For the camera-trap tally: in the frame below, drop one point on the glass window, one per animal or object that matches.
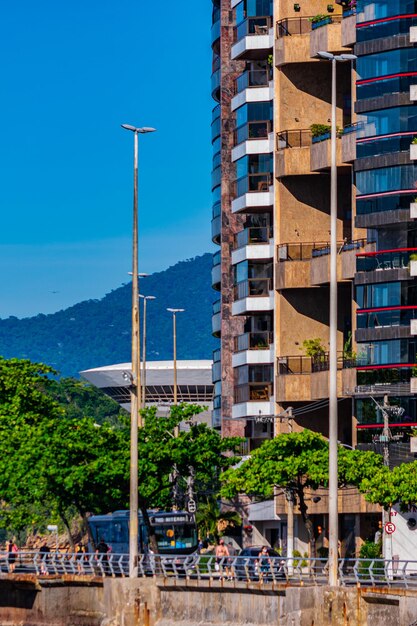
(387, 179)
(386, 121)
(385, 63)
(367, 11)
(394, 351)
(378, 295)
(252, 112)
(391, 28)
(252, 8)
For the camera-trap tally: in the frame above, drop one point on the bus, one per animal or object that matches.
(175, 531)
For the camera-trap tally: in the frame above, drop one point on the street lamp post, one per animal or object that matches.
(174, 333)
(333, 414)
(145, 299)
(135, 394)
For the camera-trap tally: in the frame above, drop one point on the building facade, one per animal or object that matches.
(271, 220)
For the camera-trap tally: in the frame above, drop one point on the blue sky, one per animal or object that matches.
(72, 73)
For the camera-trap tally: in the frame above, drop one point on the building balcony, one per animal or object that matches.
(385, 266)
(253, 349)
(293, 153)
(308, 264)
(216, 368)
(216, 229)
(379, 211)
(259, 195)
(327, 35)
(253, 138)
(215, 85)
(253, 38)
(253, 86)
(292, 43)
(216, 418)
(253, 243)
(216, 319)
(384, 323)
(349, 144)
(320, 154)
(253, 399)
(216, 271)
(349, 29)
(302, 378)
(254, 294)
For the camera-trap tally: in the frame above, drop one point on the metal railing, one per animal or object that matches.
(309, 250)
(253, 288)
(385, 260)
(253, 78)
(290, 365)
(253, 235)
(257, 25)
(297, 138)
(226, 570)
(293, 26)
(260, 340)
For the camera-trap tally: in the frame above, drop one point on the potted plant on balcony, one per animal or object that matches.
(321, 132)
(319, 20)
(315, 350)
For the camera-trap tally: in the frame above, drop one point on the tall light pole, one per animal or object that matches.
(333, 414)
(135, 393)
(174, 336)
(145, 299)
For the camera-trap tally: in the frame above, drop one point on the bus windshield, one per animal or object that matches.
(172, 537)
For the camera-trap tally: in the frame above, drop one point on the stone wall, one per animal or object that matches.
(146, 602)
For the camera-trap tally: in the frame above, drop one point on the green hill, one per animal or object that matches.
(97, 332)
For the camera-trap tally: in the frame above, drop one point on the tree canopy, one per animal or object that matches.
(54, 461)
(296, 462)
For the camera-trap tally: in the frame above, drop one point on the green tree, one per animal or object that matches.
(388, 487)
(212, 521)
(54, 462)
(296, 462)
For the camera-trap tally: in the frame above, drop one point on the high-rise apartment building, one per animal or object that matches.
(386, 184)
(271, 220)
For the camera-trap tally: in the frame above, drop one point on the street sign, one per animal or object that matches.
(191, 506)
(390, 528)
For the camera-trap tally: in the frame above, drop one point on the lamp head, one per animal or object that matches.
(134, 129)
(175, 310)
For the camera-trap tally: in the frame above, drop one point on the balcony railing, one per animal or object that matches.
(327, 19)
(289, 365)
(253, 235)
(294, 139)
(254, 341)
(253, 130)
(384, 260)
(253, 183)
(217, 355)
(253, 392)
(306, 251)
(259, 25)
(217, 258)
(253, 288)
(253, 78)
(216, 307)
(293, 26)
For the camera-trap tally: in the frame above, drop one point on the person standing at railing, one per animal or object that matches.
(44, 552)
(102, 552)
(222, 552)
(12, 550)
(81, 556)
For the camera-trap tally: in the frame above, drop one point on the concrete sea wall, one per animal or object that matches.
(25, 601)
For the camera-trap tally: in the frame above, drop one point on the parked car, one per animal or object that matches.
(248, 565)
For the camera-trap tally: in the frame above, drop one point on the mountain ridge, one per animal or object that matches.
(97, 332)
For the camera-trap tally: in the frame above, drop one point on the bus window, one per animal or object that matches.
(179, 536)
(102, 530)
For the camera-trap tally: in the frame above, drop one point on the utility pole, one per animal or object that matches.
(290, 505)
(386, 515)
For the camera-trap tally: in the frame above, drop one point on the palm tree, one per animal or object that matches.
(212, 522)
